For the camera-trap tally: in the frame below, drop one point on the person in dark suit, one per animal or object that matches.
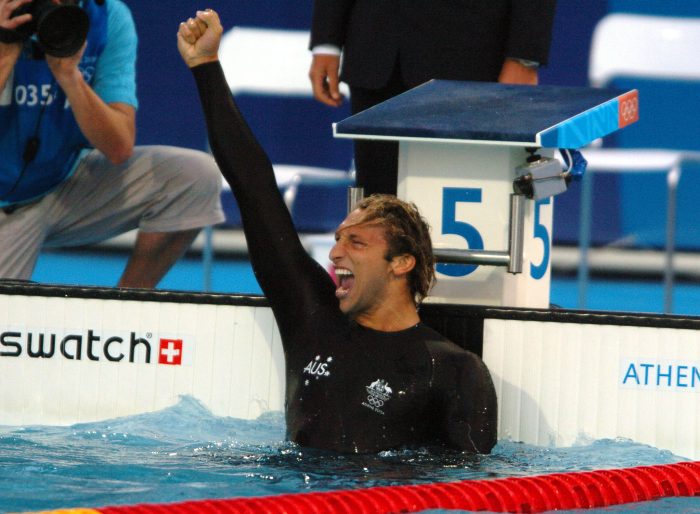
(390, 46)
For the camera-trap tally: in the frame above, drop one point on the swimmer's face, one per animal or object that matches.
(363, 272)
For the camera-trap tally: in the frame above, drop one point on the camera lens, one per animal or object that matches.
(61, 29)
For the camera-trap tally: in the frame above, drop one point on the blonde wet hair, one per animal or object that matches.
(406, 232)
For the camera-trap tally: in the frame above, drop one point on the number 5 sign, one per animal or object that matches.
(464, 193)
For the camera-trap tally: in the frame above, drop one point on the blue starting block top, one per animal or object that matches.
(485, 112)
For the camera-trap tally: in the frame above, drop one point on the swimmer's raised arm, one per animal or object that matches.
(283, 268)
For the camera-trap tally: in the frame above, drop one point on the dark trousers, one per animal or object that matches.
(376, 162)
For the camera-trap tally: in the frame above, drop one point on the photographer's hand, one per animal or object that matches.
(198, 38)
(7, 7)
(65, 69)
(9, 52)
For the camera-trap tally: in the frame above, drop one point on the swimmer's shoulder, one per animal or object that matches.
(438, 345)
(447, 355)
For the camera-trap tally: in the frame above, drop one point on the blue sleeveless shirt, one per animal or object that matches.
(38, 108)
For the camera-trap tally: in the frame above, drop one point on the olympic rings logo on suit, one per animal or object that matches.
(378, 393)
(375, 401)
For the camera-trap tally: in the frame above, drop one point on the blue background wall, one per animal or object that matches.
(170, 113)
(669, 7)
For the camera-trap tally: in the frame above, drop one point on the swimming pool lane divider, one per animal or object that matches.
(576, 490)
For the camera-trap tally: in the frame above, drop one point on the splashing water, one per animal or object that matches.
(186, 453)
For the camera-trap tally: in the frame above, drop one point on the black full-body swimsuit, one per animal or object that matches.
(348, 388)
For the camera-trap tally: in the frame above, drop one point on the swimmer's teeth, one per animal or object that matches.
(343, 275)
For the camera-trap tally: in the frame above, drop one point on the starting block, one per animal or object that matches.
(478, 160)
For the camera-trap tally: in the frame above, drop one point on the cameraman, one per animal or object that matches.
(70, 174)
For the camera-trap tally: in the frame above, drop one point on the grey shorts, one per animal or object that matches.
(159, 189)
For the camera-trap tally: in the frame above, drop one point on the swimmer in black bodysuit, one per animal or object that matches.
(363, 374)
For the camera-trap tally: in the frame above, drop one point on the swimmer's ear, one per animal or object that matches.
(403, 264)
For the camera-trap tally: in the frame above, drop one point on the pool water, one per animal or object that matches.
(185, 453)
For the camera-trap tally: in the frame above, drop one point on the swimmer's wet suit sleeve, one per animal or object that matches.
(465, 391)
(294, 283)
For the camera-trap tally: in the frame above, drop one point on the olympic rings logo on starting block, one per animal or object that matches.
(628, 110)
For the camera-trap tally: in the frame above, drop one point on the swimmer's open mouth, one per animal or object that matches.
(346, 280)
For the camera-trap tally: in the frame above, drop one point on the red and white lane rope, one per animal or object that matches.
(577, 490)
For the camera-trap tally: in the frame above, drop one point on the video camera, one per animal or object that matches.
(61, 29)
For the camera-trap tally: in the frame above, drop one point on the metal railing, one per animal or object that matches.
(601, 160)
(512, 258)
